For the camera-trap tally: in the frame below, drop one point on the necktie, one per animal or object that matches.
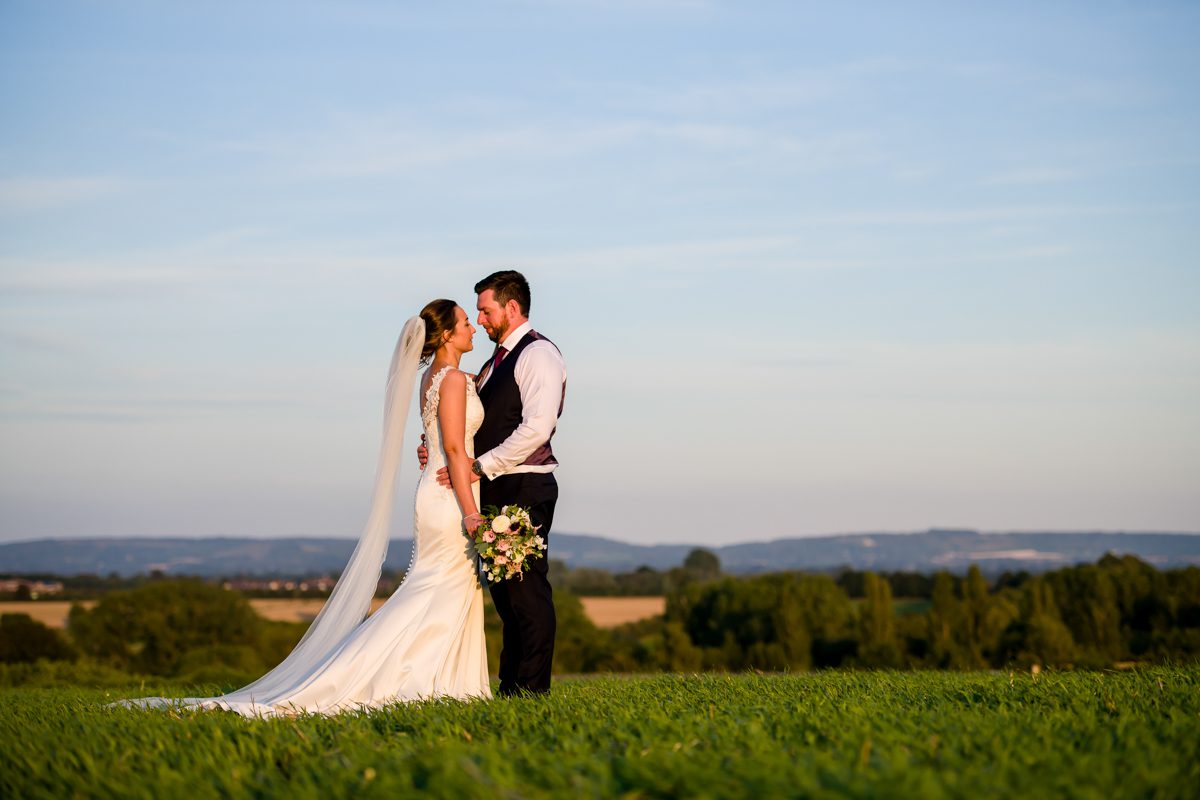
(501, 352)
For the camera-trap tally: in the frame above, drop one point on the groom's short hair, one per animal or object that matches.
(507, 284)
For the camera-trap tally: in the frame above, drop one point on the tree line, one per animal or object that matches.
(1117, 610)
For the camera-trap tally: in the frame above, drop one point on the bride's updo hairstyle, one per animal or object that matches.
(439, 320)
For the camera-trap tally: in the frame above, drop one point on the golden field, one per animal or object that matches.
(605, 612)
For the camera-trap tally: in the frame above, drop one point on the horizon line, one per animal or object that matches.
(973, 531)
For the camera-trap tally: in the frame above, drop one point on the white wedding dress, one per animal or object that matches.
(427, 640)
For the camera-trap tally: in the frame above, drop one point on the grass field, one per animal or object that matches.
(830, 734)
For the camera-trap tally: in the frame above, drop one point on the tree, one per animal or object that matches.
(1039, 636)
(579, 646)
(590, 582)
(829, 619)
(679, 654)
(1094, 599)
(703, 564)
(151, 628)
(644, 581)
(774, 621)
(22, 638)
(878, 628)
(976, 605)
(945, 616)
(791, 632)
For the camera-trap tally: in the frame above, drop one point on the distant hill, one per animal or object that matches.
(921, 552)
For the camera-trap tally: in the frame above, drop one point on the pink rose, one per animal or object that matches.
(488, 536)
(501, 560)
(502, 546)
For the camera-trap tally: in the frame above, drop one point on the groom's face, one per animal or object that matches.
(493, 317)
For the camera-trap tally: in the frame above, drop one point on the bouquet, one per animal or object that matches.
(505, 541)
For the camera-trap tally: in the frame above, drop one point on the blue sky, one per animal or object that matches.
(814, 270)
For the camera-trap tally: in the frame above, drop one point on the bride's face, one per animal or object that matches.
(463, 333)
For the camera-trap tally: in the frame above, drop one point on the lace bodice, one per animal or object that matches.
(429, 417)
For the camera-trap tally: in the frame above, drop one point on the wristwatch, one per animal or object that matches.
(478, 470)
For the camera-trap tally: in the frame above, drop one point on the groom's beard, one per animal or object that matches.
(498, 333)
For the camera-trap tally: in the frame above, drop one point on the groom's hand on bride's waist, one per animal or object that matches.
(443, 477)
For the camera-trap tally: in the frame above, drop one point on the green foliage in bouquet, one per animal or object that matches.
(506, 541)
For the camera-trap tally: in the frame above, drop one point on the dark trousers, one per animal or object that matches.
(525, 604)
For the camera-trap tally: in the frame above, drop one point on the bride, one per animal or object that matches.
(427, 640)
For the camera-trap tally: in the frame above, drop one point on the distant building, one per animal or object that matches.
(323, 584)
(36, 588)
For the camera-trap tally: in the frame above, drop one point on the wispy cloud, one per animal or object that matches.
(958, 216)
(1033, 175)
(1040, 251)
(130, 410)
(380, 146)
(1048, 371)
(749, 94)
(641, 7)
(41, 341)
(38, 194)
(1047, 84)
(690, 257)
(24, 277)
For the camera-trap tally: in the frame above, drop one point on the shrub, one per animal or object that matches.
(149, 629)
(24, 639)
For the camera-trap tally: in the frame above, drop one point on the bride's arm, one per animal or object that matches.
(452, 421)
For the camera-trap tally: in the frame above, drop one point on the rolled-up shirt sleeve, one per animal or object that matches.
(540, 374)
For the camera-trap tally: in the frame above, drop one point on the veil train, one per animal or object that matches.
(350, 601)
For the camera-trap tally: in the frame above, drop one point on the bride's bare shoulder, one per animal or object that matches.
(455, 380)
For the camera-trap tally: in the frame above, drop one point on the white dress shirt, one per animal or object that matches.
(541, 375)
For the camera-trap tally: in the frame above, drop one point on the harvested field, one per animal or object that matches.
(606, 612)
(295, 610)
(52, 613)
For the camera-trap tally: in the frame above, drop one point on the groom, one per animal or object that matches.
(522, 387)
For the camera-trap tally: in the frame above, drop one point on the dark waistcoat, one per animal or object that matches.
(501, 399)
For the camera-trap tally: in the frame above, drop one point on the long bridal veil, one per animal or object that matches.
(350, 601)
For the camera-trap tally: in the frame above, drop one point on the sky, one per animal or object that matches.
(815, 268)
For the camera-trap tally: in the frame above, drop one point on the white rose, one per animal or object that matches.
(501, 524)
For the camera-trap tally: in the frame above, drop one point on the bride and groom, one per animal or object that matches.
(486, 443)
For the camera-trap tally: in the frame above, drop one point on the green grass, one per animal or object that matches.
(831, 734)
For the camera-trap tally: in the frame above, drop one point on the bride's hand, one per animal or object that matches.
(472, 523)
